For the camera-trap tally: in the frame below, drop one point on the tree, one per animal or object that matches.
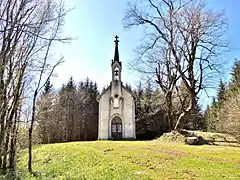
(229, 122)
(49, 25)
(221, 92)
(234, 84)
(72, 114)
(190, 33)
(193, 120)
(27, 30)
(236, 73)
(212, 116)
(47, 87)
(45, 117)
(150, 112)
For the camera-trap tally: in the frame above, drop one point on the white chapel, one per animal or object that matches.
(116, 106)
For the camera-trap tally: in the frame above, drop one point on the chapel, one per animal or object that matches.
(116, 106)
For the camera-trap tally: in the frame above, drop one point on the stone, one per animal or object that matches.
(197, 140)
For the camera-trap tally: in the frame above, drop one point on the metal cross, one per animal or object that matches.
(116, 37)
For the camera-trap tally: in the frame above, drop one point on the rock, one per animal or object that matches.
(198, 140)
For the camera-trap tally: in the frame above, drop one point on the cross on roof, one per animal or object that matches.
(116, 37)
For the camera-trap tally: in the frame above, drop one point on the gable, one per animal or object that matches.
(106, 91)
(129, 91)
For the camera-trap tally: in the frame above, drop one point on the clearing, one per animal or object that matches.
(131, 160)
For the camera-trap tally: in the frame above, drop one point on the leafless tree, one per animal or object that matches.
(229, 112)
(28, 29)
(193, 35)
(167, 77)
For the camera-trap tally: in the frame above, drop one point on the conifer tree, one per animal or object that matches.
(236, 73)
(221, 92)
(47, 87)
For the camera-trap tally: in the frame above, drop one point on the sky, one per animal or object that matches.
(94, 23)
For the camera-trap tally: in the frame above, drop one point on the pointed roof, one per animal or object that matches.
(116, 54)
(131, 92)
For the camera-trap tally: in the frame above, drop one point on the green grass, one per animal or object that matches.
(131, 160)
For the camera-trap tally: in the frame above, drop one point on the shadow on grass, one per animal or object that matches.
(9, 174)
(224, 143)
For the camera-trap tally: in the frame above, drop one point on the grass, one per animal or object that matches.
(108, 160)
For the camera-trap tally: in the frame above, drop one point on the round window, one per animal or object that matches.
(116, 95)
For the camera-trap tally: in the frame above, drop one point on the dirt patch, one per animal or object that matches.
(176, 153)
(106, 151)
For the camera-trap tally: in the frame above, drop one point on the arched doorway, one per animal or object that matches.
(116, 128)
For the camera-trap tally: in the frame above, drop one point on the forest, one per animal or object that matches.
(71, 114)
(179, 55)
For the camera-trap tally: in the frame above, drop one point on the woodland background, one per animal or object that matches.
(179, 56)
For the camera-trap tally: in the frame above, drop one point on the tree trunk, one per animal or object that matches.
(181, 118)
(30, 134)
(13, 145)
(5, 151)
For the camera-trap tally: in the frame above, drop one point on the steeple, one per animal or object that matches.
(116, 64)
(116, 55)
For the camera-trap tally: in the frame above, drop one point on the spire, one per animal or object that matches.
(116, 55)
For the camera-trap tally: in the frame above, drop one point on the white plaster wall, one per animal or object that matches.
(129, 115)
(104, 115)
(126, 112)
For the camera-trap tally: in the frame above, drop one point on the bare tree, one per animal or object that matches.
(229, 122)
(28, 28)
(36, 92)
(191, 33)
(167, 77)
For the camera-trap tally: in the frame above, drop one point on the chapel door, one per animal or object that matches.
(116, 128)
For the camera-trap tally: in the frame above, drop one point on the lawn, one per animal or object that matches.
(131, 160)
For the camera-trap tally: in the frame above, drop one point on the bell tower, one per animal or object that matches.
(116, 64)
(116, 76)
(116, 105)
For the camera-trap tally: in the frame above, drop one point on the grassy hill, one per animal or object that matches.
(131, 160)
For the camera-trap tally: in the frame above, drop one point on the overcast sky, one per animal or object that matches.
(94, 23)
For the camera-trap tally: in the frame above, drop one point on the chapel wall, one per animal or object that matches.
(104, 115)
(129, 115)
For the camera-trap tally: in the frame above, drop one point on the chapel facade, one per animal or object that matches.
(116, 106)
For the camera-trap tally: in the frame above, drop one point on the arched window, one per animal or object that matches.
(116, 128)
(116, 73)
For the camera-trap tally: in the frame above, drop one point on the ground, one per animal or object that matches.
(131, 160)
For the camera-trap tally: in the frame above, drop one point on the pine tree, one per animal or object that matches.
(70, 84)
(47, 87)
(221, 92)
(45, 119)
(95, 88)
(234, 85)
(236, 73)
(147, 103)
(81, 85)
(212, 116)
(87, 83)
(139, 96)
(70, 98)
(91, 85)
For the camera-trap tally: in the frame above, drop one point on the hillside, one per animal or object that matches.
(131, 160)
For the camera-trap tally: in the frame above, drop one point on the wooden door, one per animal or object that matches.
(116, 128)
